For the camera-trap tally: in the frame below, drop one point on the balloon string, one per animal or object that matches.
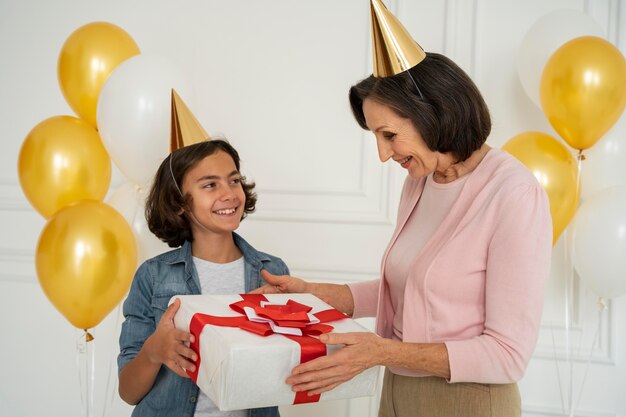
(85, 363)
(569, 291)
(112, 375)
(80, 350)
(602, 305)
(568, 312)
(578, 355)
(581, 157)
(91, 354)
(558, 370)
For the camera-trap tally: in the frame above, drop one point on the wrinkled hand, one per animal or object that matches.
(361, 351)
(167, 344)
(277, 284)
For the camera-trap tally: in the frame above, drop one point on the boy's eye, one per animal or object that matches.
(209, 185)
(235, 180)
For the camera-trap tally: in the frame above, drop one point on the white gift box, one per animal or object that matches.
(239, 369)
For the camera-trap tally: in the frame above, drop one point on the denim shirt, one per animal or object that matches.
(155, 282)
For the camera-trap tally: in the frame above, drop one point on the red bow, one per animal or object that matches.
(262, 319)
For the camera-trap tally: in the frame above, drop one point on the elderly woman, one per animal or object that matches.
(459, 299)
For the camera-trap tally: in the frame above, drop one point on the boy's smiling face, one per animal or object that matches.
(217, 197)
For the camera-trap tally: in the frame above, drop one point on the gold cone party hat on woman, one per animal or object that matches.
(393, 49)
(186, 130)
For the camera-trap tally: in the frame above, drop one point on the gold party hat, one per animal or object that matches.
(394, 50)
(186, 130)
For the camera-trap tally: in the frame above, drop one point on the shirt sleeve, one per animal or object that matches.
(518, 265)
(365, 297)
(139, 321)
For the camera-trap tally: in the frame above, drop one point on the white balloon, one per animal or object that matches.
(599, 242)
(129, 200)
(605, 162)
(543, 38)
(134, 114)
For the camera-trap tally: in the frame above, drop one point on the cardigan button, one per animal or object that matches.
(192, 399)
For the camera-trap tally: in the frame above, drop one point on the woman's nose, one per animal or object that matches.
(384, 150)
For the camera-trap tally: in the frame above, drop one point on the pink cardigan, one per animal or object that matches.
(477, 285)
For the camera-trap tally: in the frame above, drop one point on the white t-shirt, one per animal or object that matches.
(222, 279)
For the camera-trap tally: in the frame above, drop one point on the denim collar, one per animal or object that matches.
(250, 255)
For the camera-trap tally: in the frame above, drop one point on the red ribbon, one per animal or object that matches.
(292, 314)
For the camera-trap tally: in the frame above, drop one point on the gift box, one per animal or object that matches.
(248, 345)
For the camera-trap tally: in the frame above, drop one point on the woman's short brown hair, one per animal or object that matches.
(447, 110)
(165, 202)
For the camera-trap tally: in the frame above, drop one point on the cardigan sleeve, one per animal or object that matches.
(365, 297)
(518, 265)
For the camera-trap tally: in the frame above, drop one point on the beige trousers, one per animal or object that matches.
(404, 396)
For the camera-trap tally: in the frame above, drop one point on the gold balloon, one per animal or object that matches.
(62, 161)
(556, 170)
(87, 58)
(86, 257)
(583, 90)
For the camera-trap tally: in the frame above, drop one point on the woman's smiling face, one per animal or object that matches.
(398, 139)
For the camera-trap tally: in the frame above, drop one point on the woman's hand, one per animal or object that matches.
(277, 284)
(338, 296)
(167, 344)
(361, 351)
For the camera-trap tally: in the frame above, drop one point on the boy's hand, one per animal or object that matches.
(167, 344)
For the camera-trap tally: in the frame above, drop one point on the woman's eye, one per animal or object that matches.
(389, 135)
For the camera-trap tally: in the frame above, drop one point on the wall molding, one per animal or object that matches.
(336, 274)
(544, 411)
(369, 204)
(580, 351)
(607, 13)
(584, 328)
(11, 196)
(363, 206)
(17, 265)
(460, 33)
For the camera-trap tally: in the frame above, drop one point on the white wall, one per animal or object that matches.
(273, 77)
